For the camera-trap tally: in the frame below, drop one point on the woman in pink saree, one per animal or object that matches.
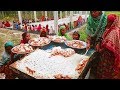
(109, 65)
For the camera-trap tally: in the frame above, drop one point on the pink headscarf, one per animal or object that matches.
(111, 17)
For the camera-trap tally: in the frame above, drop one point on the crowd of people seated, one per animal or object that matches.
(26, 26)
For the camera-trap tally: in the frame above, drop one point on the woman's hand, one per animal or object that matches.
(97, 47)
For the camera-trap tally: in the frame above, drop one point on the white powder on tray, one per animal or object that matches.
(46, 67)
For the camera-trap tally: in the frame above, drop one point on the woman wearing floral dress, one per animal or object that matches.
(109, 65)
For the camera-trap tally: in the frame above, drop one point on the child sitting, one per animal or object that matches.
(25, 38)
(43, 32)
(76, 35)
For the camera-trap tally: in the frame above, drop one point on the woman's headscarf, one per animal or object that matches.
(66, 34)
(111, 17)
(61, 28)
(96, 26)
(43, 30)
(111, 35)
(9, 43)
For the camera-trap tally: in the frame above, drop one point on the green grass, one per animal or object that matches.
(83, 35)
(113, 12)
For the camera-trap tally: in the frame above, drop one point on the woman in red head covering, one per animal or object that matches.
(43, 32)
(7, 24)
(109, 65)
(39, 28)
